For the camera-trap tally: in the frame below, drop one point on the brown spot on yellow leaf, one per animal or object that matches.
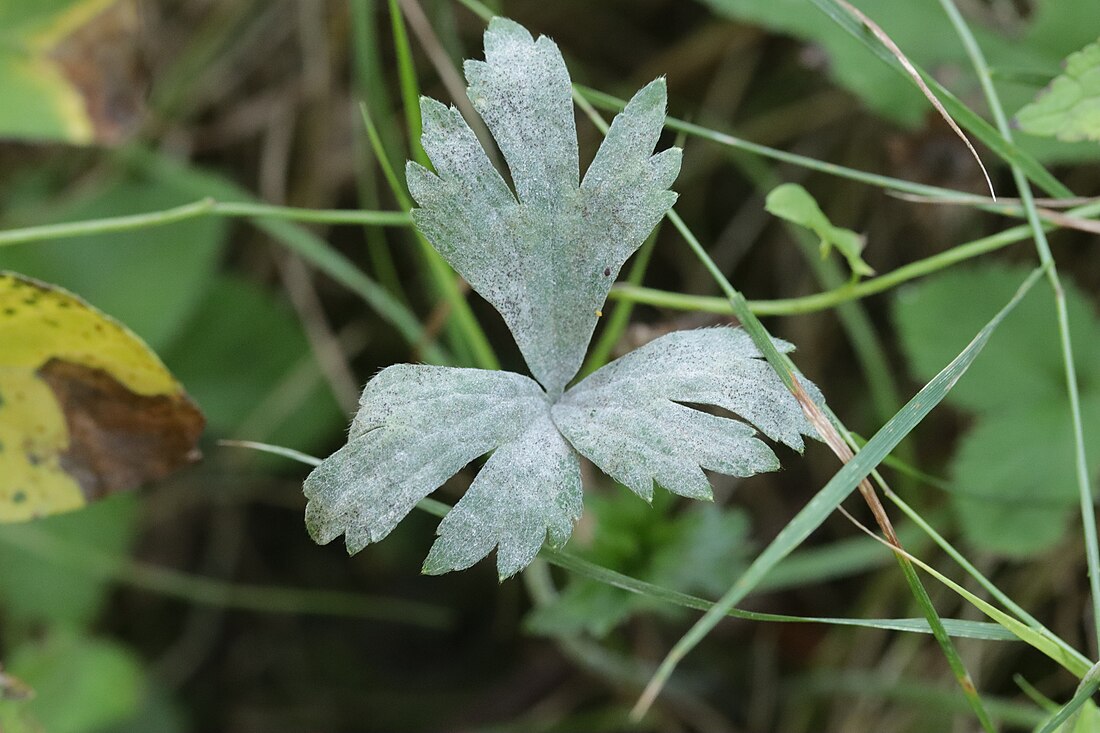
(119, 440)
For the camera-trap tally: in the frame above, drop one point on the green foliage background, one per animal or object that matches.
(201, 604)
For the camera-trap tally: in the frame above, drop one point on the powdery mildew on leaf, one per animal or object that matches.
(546, 256)
(528, 491)
(626, 417)
(417, 426)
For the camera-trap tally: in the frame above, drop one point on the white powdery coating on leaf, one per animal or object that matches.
(417, 426)
(529, 489)
(547, 260)
(626, 419)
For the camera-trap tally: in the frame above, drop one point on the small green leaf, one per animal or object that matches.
(793, 203)
(81, 684)
(1068, 109)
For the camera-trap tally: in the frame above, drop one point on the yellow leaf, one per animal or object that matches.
(86, 408)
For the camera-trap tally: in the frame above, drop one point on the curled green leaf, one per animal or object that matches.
(793, 203)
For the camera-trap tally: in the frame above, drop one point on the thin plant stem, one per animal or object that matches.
(831, 298)
(305, 243)
(199, 209)
(1042, 247)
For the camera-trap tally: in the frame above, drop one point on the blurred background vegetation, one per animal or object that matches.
(200, 604)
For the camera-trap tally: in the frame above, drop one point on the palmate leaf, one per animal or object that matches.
(545, 257)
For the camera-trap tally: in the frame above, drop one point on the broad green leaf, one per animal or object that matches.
(1069, 109)
(1013, 480)
(627, 417)
(81, 685)
(36, 587)
(419, 425)
(545, 257)
(795, 204)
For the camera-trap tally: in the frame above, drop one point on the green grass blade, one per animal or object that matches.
(369, 72)
(1040, 639)
(1089, 683)
(465, 334)
(835, 491)
(370, 83)
(786, 371)
(614, 104)
(957, 627)
(960, 628)
(410, 87)
(1042, 247)
(967, 118)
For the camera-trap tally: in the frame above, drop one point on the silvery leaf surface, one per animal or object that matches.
(528, 491)
(419, 425)
(628, 417)
(546, 255)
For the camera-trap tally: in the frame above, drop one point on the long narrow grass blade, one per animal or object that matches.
(410, 88)
(1042, 640)
(956, 627)
(960, 628)
(1089, 683)
(911, 70)
(835, 491)
(967, 118)
(1042, 248)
